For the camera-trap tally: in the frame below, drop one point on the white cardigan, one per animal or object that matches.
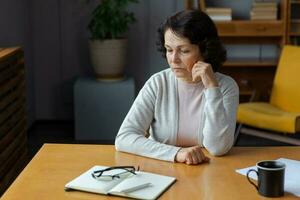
(155, 109)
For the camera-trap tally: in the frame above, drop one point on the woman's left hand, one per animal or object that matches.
(191, 156)
(203, 71)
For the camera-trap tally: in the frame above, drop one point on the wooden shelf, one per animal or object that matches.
(246, 21)
(251, 28)
(294, 33)
(295, 20)
(246, 62)
(295, 1)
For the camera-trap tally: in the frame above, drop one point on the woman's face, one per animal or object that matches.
(181, 55)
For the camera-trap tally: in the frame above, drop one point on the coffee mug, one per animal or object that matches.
(270, 176)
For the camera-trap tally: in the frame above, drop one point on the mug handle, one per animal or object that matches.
(252, 170)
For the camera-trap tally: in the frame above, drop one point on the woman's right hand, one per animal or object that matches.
(191, 156)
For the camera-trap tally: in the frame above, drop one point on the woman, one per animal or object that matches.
(189, 105)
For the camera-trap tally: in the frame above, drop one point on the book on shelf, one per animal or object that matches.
(213, 10)
(263, 17)
(143, 185)
(220, 18)
(274, 9)
(260, 12)
(264, 4)
(219, 14)
(264, 10)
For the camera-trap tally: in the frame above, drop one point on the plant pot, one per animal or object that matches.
(108, 58)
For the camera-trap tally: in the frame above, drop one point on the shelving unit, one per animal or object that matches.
(246, 62)
(254, 74)
(293, 22)
(13, 137)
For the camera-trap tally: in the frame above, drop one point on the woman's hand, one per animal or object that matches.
(203, 71)
(191, 156)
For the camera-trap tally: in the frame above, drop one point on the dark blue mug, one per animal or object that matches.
(270, 175)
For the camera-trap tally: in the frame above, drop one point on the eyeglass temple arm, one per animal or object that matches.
(115, 167)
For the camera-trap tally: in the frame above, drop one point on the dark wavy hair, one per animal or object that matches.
(196, 26)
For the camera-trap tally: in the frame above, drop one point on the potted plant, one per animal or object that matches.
(109, 22)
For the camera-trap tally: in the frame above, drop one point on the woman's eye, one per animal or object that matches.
(185, 51)
(169, 50)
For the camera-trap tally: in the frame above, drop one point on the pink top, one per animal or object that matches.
(190, 107)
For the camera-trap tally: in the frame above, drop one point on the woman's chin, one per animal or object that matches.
(183, 78)
(179, 72)
(182, 74)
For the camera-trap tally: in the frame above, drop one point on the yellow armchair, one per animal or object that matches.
(282, 113)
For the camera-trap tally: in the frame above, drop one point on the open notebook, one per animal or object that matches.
(154, 184)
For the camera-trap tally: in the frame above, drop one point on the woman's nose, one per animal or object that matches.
(175, 57)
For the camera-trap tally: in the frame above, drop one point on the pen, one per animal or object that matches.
(138, 187)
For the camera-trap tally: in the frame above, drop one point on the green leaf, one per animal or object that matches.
(110, 19)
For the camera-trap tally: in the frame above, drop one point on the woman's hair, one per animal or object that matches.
(196, 26)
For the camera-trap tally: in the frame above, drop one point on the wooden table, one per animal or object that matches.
(56, 164)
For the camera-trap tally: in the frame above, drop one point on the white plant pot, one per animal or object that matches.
(108, 58)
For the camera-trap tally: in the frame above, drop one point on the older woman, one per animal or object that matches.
(188, 106)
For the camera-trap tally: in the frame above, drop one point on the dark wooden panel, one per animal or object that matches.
(11, 96)
(11, 122)
(11, 109)
(13, 137)
(11, 70)
(17, 147)
(12, 53)
(10, 137)
(8, 85)
(14, 170)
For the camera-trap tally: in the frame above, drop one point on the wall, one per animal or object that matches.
(55, 39)
(15, 30)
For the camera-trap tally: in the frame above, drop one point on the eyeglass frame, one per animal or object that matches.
(99, 173)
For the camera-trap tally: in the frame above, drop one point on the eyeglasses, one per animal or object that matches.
(116, 172)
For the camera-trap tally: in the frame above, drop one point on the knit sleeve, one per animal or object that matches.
(131, 136)
(220, 117)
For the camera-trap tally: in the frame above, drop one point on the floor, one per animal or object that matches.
(63, 132)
